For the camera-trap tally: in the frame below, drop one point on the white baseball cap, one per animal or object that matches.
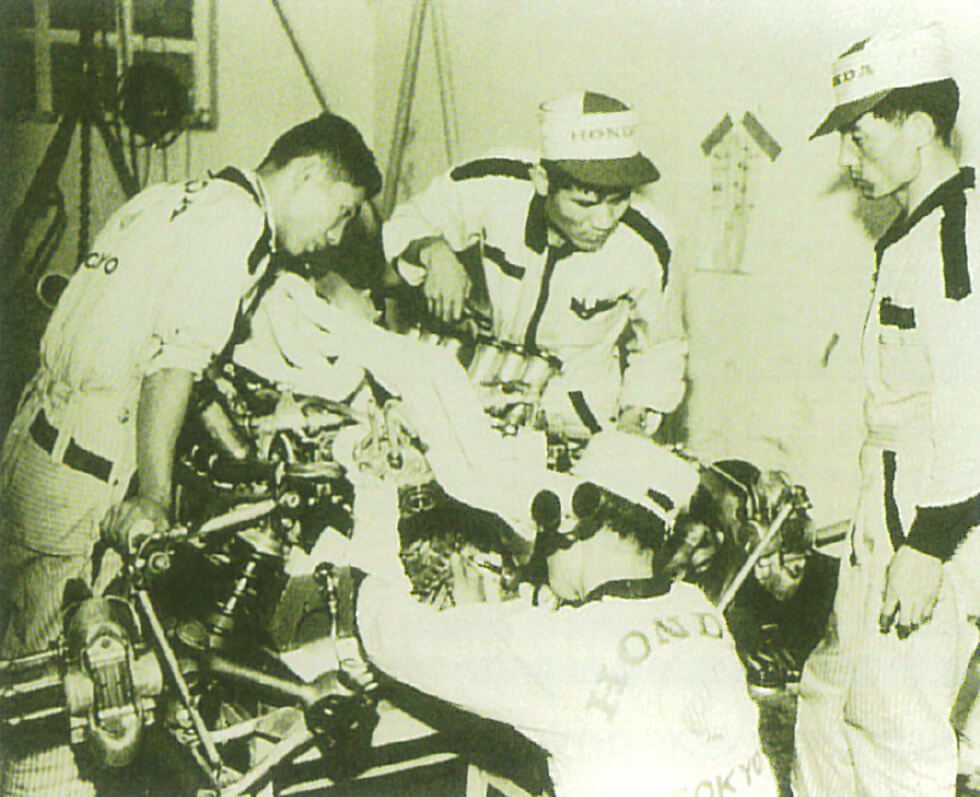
(594, 138)
(864, 75)
(638, 470)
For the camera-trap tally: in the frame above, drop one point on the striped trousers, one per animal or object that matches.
(873, 716)
(46, 503)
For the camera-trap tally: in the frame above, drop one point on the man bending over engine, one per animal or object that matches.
(148, 309)
(633, 686)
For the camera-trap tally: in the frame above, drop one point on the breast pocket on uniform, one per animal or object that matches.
(903, 361)
(588, 308)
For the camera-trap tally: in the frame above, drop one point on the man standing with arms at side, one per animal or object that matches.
(574, 263)
(876, 694)
(147, 310)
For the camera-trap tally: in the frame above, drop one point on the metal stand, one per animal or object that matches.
(87, 111)
(406, 95)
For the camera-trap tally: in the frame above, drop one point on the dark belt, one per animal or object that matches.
(76, 457)
(893, 521)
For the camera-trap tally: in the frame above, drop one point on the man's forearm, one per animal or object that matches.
(654, 377)
(413, 253)
(163, 404)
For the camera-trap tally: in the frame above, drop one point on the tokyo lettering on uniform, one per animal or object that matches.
(627, 696)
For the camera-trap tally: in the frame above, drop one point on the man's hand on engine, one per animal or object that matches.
(638, 420)
(446, 283)
(469, 585)
(912, 584)
(131, 518)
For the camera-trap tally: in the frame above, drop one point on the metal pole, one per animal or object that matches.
(184, 693)
(299, 56)
(729, 593)
(305, 693)
(238, 514)
(406, 92)
(297, 739)
(447, 100)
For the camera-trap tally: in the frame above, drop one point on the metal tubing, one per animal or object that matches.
(300, 56)
(29, 687)
(236, 731)
(297, 739)
(289, 746)
(44, 713)
(406, 93)
(239, 514)
(302, 692)
(26, 662)
(754, 557)
(44, 181)
(183, 692)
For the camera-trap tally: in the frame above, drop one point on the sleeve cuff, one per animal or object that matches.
(938, 530)
(413, 274)
(663, 400)
(409, 263)
(182, 356)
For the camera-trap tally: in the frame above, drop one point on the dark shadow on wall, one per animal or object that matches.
(875, 215)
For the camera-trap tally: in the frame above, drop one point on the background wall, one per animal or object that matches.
(774, 365)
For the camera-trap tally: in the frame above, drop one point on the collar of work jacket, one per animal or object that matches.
(536, 233)
(249, 182)
(950, 196)
(536, 225)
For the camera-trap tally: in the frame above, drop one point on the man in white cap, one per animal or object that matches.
(634, 685)
(876, 693)
(574, 263)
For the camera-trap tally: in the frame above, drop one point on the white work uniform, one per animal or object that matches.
(571, 303)
(873, 716)
(290, 344)
(159, 290)
(626, 695)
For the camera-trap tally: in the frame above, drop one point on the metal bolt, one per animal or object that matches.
(158, 562)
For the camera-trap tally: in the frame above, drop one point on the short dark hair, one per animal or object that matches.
(559, 179)
(334, 138)
(940, 99)
(627, 519)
